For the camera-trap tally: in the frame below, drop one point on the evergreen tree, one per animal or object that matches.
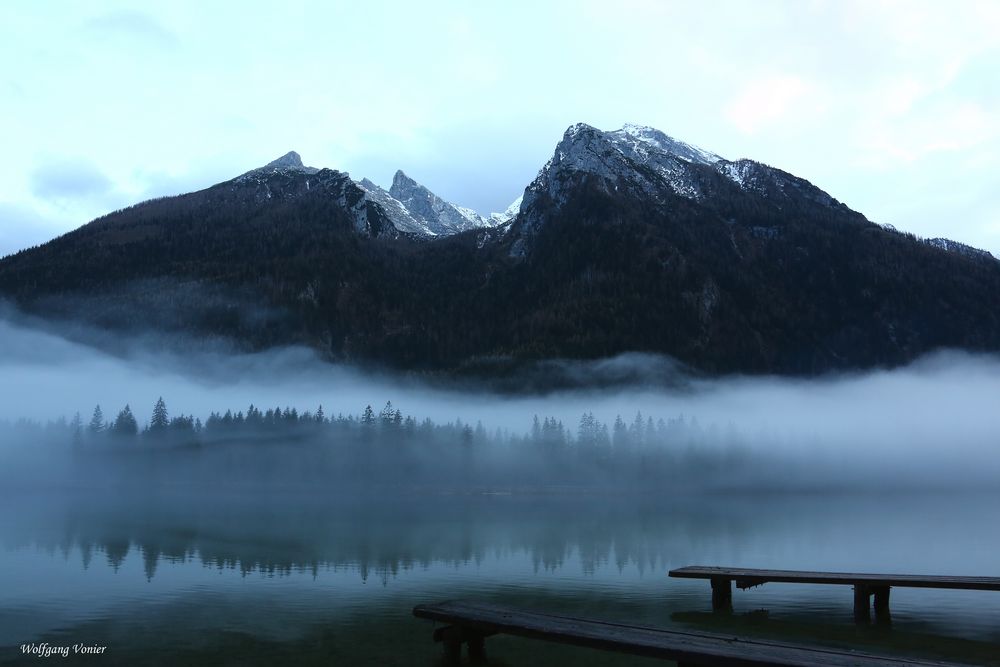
(125, 424)
(160, 420)
(587, 433)
(387, 413)
(619, 436)
(368, 417)
(96, 422)
(76, 426)
(254, 417)
(182, 426)
(603, 439)
(637, 430)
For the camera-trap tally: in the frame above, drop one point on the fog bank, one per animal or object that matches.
(938, 413)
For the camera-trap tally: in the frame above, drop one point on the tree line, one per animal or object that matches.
(388, 446)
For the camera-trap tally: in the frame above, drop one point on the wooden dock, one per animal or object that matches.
(470, 623)
(866, 586)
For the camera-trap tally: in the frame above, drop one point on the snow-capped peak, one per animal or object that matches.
(653, 139)
(508, 214)
(395, 210)
(576, 129)
(641, 141)
(414, 209)
(409, 206)
(440, 216)
(641, 157)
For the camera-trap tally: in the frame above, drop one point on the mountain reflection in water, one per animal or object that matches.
(286, 576)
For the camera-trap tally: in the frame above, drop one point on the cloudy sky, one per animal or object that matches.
(892, 107)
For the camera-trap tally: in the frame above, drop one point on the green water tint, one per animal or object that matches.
(291, 579)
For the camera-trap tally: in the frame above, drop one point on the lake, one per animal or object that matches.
(173, 577)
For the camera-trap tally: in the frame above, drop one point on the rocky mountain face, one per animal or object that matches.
(290, 161)
(732, 264)
(416, 210)
(626, 241)
(642, 162)
(409, 207)
(287, 180)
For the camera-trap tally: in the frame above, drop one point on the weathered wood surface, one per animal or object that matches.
(753, 577)
(480, 619)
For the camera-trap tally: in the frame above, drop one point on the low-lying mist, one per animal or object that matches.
(935, 422)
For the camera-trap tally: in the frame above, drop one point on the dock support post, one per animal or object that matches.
(453, 636)
(722, 594)
(882, 614)
(452, 651)
(477, 649)
(862, 604)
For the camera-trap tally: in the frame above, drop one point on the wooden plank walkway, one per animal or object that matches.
(865, 585)
(471, 623)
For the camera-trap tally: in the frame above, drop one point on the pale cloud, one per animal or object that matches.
(897, 98)
(949, 126)
(774, 100)
(135, 26)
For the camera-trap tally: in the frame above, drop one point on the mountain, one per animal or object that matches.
(729, 265)
(626, 241)
(643, 163)
(408, 206)
(416, 210)
(289, 161)
(960, 248)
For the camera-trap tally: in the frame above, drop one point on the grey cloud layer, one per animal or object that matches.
(69, 179)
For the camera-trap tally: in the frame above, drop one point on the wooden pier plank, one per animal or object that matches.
(757, 576)
(684, 647)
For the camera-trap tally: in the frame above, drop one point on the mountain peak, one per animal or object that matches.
(616, 153)
(576, 129)
(289, 164)
(634, 128)
(437, 215)
(403, 187)
(644, 139)
(401, 180)
(290, 160)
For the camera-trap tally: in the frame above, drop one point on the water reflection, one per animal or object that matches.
(100, 563)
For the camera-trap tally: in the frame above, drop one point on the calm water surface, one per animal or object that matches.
(181, 578)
